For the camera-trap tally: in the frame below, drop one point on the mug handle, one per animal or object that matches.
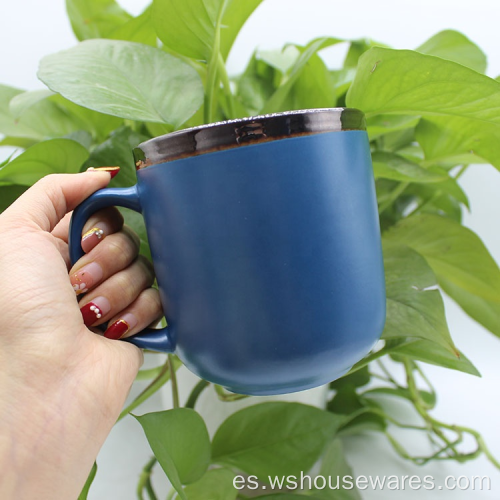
(151, 338)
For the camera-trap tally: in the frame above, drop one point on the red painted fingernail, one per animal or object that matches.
(112, 170)
(117, 329)
(95, 310)
(91, 238)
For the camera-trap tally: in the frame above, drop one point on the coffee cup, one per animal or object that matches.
(265, 241)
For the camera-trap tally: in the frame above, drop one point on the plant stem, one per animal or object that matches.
(212, 70)
(373, 356)
(227, 87)
(145, 481)
(149, 374)
(195, 393)
(162, 378)
(437, 425)
(173, 378)
(211, 84)
(150, 491)
(393, 196)
(436, 194)
(171, 494)
(425, 202)
(387, 374)
(462, 170)
(227, 396)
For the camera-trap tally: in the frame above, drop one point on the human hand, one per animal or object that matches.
(62, 386)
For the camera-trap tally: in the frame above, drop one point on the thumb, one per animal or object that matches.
(53, 196)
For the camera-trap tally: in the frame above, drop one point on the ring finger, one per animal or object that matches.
(116, 293)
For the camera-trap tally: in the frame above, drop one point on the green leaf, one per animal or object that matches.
(313, 88)
(383, 124)
(359, 378)
(263, 439)
(117, 151)
(393, 166)
(455, 46)
(235, 16)
(276, 102)
(9, 194)
(216, 484)
(414, 308)
(256, 85)
(44, 158)
(357, 48)
(454, 98)
(457, 140)
(358, 412)
(82, 137)
(434, 354)
(336, 470)
(98, 124)
(281, 60)
(41, 103)
(454, 252)
(138, 29)
(88, 483)
(406, 82)
(91, 75)
(21, 102)
(342, 79)
(18, 142)
(179, 439)
(43, 119)
(190, 27)
(485, 312)
(402, 392)
(95, 18)
(439, 198)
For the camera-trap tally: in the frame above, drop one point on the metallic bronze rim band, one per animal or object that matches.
(232, 133)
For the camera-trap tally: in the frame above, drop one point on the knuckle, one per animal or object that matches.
(120, 250)
(152, 298)
(147, 266)
(125, 285)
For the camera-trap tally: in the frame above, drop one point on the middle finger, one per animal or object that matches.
(112, 255)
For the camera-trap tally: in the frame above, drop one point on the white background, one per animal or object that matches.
(30, 29)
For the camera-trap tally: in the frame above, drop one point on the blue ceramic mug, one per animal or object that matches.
(265, 241)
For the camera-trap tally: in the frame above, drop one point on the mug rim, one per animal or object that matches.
(222, 135)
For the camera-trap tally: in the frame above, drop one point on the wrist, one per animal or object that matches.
(46, 452)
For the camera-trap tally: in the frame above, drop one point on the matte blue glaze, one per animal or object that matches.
(267, 256)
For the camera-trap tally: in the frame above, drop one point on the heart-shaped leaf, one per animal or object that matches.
(125, 79)
(453, 251)
(180, 441)
(414, 306)
(191, 27)
(263, 439)
(44, 158)
(95, 18)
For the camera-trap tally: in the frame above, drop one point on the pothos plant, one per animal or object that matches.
(430, 113)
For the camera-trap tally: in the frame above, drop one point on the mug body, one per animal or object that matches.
(267, 254)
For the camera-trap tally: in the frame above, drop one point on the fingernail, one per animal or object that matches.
(112, 170)
(119, 328)
(85, 278)
(95, 310)
(91, 238)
